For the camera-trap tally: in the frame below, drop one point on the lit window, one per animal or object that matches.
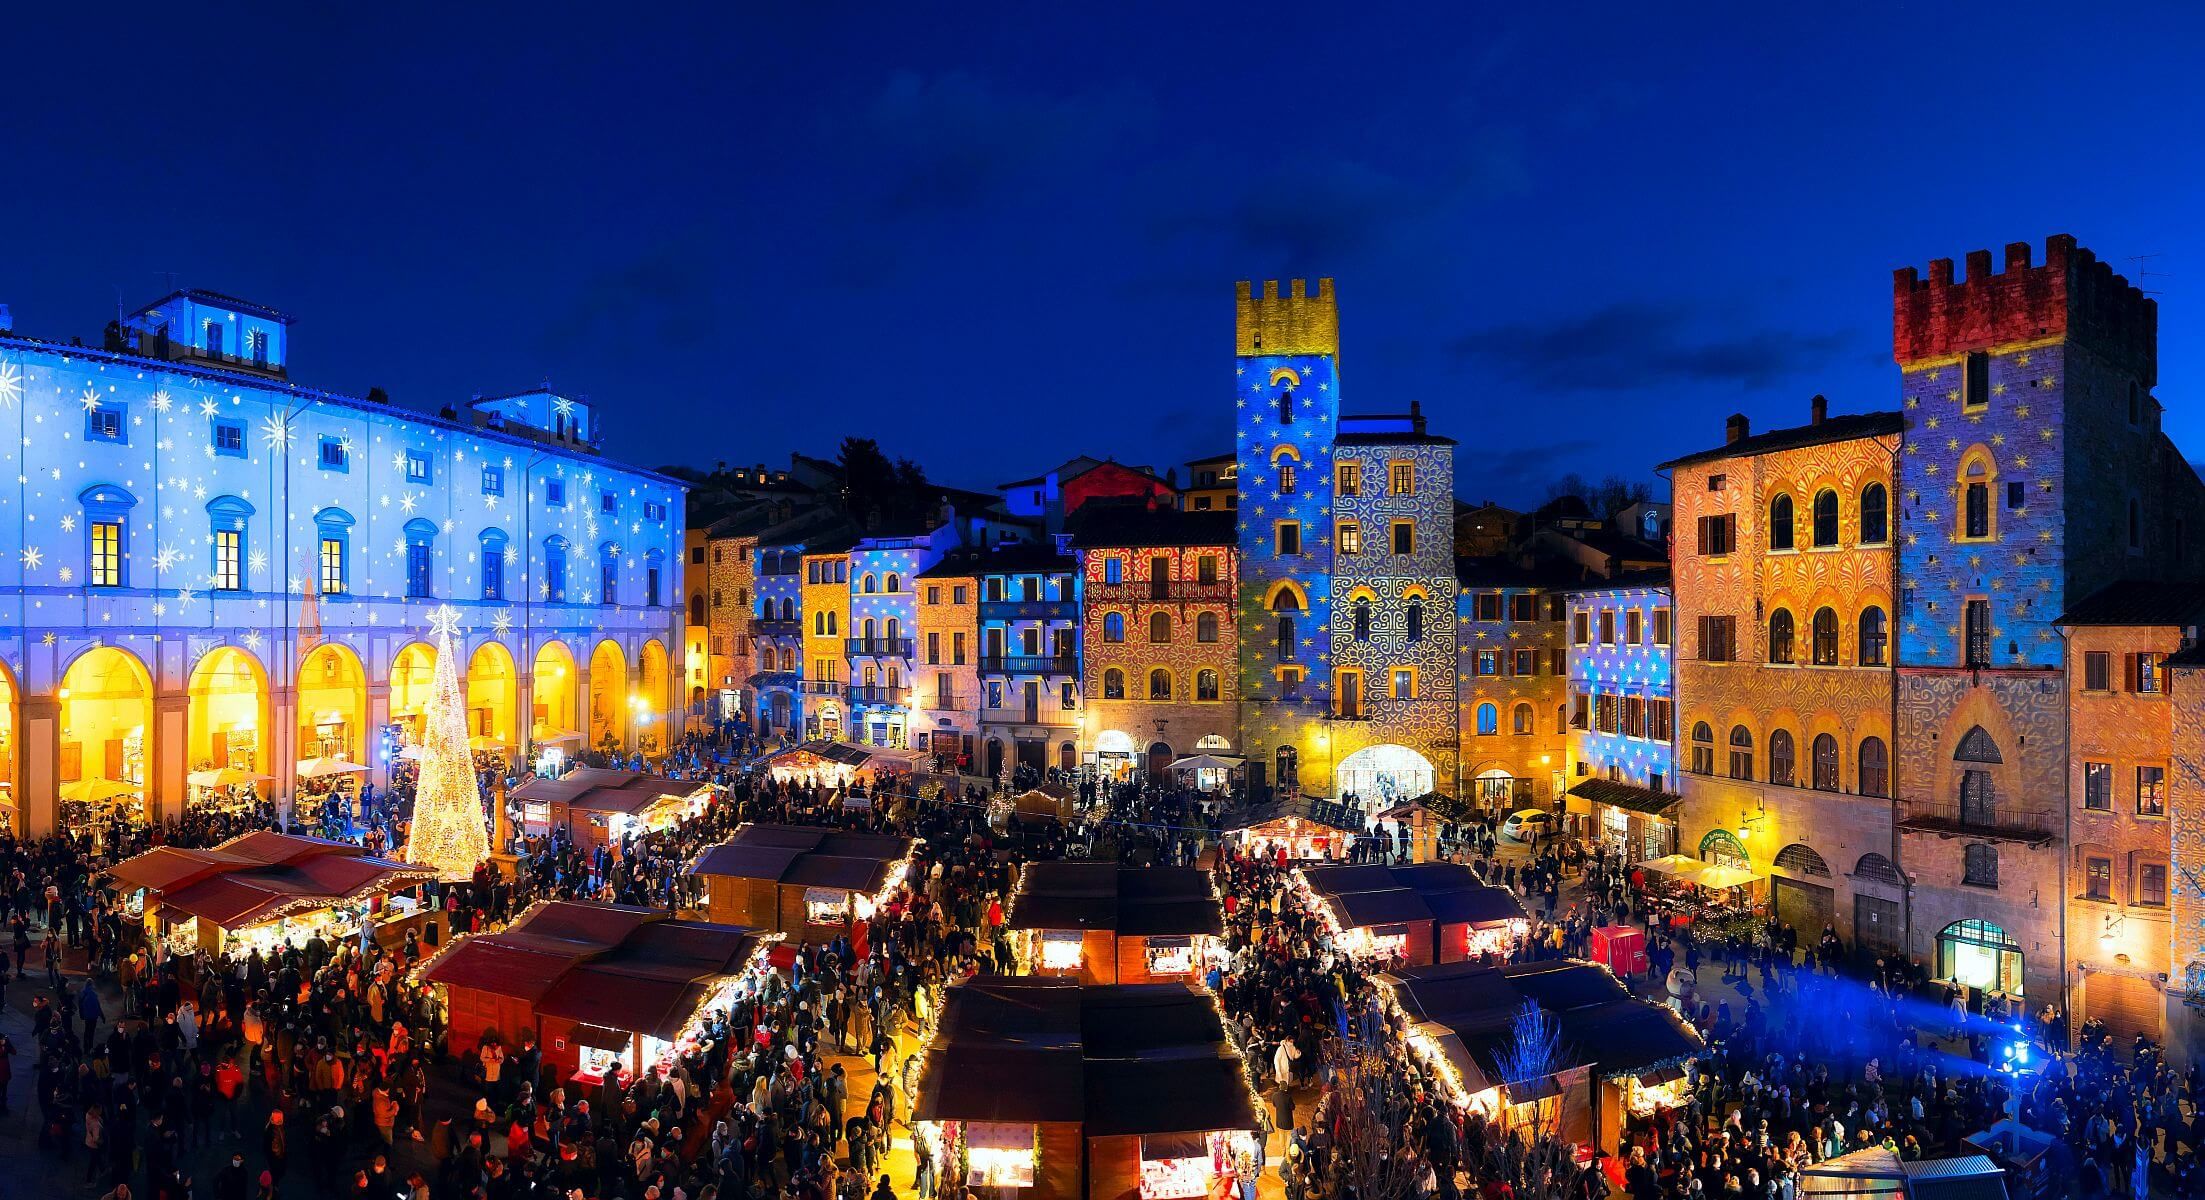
(227, 546)
(417, 467)
(229, 439)
(107, 537)
(105, 424)
(1401, 479)
(493, 481)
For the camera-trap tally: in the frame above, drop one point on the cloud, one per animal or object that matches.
(1520, 471)
(1629, 345)
(953, 142)
(665, 294)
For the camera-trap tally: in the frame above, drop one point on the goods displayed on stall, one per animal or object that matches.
(450, 831)
(597, 806)
(836, 764)
(806, 881)
(1296, 828)
(1073, 1091)
(1477, 1028)
(1106, 923)
(1419, 913)
(604, 987)
(262, 890)
(1717, 899)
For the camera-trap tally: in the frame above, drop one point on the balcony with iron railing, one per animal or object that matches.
(1994, 822)
(1029, 610)
(767, 679)
(945, 701)
(821, 687)
(1045, 715)
(878, 647)
(1029, 664)
(861, 693)
(776, 627)
(1146, 591)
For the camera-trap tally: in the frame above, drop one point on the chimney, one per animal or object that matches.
(1818, 410)
(1735, 428)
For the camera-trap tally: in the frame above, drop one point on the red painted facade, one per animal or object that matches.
(1112, 479)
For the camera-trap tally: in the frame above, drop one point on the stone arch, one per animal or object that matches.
(226, 721)
(1799, 858)
(332, 704)
(608, 704)
(493, 698)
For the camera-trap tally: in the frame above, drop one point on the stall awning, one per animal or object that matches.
(226, 777)
(597, 1037)
(316, 768)
(1208, 762)
(1617, 794)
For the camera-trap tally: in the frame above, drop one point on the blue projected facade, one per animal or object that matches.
(1622, 682)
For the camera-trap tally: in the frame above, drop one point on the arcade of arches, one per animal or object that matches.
(112, 739)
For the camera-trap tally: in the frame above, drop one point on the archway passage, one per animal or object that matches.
(652, 699)
(1979, 955)
(226, 721)
(608, 697)
(553, 684)
(332, 704)
(106, 718)
(493, 692)
(1159, 760)
(411, 675)
(1387, 773)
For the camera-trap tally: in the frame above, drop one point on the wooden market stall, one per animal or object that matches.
(597, 806)
(823, 763)
(1105, 923)
(1632, 821)
(1296, 829)
(1617, 1056)
(602, 986)
(1071, 1092)
(811, 883)
(261, 890)
(1421, 913)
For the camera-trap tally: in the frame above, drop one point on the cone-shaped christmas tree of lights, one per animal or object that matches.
(448, 832)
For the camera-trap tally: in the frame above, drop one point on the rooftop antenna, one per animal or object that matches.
(2143, 272)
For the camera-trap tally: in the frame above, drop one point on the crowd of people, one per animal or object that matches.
(326, 1068)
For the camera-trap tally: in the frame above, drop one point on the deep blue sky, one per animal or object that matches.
(994, 235)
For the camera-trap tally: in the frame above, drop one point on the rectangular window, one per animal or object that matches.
(2151, 791)
(2145, 671)
(104, 424)
(2151, 884)
(1404, 683)
(2017, 495)
(256, 347)
(493, 481)
(1604, 713)
(333, 566)
(1289, 537)
(1634, 716)
(1607, 627)
(653, 511)
(555, 576)
(1978, 621)
(608, 583)
(1401, 479)
(1659, 715)
(1581, 628)
(1975, 383)
(933, 593)
(934, 649)
(1404, 538)
(607, 504)
(2098, 879)
(1350, 476)
(1351, 538)
(1717, 535)
(957, 594)
(1661, 626)
(2097, 671)
(1527, 662)
(1558, 661)
(957, 649)
(493, 574)
(1718, 639)
(336, 455)
(650, 585)
(1523, 606)
(2098, 786)
(1634, 627)
(229, 439)
(1716, 483)
(227, 576)
(417, 467)
(107, 554)
(417, 570)
(1489, 661)
(555, 493)
(1488, 605)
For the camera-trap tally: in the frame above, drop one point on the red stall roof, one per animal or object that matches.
(259, 875)
(636, 970)
(597, 789)
(807, 855)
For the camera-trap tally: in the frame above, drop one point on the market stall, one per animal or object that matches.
(1417, 914)
(263, 890)
(329, 777)
(1086, 1093)
(596, 806)
(227, 789)
(1629, 820)
(1714, 898)
(811, 883)
(836, 764)
(1103, 923)
(1209, 772)
(1616, 1057)
(604, 987)
(88, 806)
(1299, 829)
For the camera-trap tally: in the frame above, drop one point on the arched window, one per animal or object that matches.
(696, 608)
(1875, 515)
(1978, 789)
(1873, 639)
(1520, 718)
(1703, 749)
(1159, 628)
(1741, 752)
(865, 629)
(1416, 620)
(1159, 684)
(1205, 627)
(788, 608)
(1783, 759)
(1781, 525)
(1780, 636)
(1113, 627)
(1489, 719)
(868, 584)
(895, 633)
(819, 623)
(1875, 767)
(1286, 406)
(1205, 684)
(1826, 637)
(895, 583)
(1975, 499)
(1826, 518)
(1826, 763)
(1362, 618)
(1977, 746)
(1113, 684)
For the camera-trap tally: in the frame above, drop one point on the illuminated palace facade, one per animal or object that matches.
(208, 568)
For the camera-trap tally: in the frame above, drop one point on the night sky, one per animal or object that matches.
(992, 236)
